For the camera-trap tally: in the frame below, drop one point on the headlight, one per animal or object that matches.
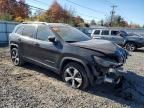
(105, 62)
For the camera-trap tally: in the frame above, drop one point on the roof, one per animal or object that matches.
(50, 24)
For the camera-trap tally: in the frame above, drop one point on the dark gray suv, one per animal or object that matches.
(120, 37)
(70, 53)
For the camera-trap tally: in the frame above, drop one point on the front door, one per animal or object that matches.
(46, 52)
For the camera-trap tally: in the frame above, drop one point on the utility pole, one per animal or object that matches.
(112, 14)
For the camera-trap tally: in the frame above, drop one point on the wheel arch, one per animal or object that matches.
(67, 60)
(130, 41)
(13, 46)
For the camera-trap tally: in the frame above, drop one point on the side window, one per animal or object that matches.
(43, 33)
(115, 33)
(29, 31)
(97, 32)
(105, 32)
(19, 30)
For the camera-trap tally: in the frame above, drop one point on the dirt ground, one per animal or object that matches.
(33, 87)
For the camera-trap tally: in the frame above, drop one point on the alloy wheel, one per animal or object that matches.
(73, 77)
(15, 56)
(130, 47)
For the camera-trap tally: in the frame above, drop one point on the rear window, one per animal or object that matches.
(97, 32)
(28, 31)
(105, 32)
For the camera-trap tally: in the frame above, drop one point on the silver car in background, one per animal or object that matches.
(120, 37)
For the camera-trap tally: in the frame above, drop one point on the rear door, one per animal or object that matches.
(116, 38)
(46, 52)
(105, 35)
(27, 40)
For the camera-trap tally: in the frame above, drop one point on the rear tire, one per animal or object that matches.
(130, 46)
(16, 58)
(75, 76)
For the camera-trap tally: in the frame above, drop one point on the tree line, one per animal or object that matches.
(13, 10)
(18, 10)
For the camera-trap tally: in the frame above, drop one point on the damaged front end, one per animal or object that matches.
(110, 67)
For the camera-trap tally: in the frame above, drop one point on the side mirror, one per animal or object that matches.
(51, 39)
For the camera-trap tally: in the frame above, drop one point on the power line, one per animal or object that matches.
(37, 8)
(97, 11)
(80, 13)
(88, 15)
(38, 1)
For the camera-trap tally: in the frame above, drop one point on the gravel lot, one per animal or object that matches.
(32, 86)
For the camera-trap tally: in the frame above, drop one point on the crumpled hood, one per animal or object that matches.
(103, 46)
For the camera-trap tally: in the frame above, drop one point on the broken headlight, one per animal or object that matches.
(106, 62)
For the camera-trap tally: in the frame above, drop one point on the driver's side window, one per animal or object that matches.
(43, 32)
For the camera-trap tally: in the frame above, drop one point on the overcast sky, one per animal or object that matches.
(131, 10)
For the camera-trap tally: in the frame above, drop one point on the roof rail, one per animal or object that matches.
(34, 22)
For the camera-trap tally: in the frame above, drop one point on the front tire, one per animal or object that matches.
(15, 57)
(130, 46)
(75, 76)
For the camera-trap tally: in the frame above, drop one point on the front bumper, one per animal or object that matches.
(113, 75)
(109, 69)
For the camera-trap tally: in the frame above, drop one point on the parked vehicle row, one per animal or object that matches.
(79, 59)
(129, 41)
(86, 30)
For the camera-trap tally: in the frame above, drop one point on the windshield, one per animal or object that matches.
(70, 34)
